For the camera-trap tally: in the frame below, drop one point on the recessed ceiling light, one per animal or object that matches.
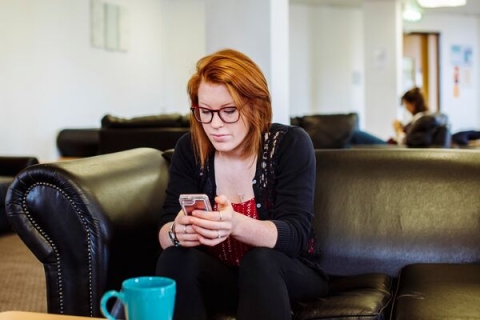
(412, 15)
(441, 3)
(411, 11)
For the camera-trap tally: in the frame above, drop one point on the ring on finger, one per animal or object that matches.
(221, 217)
(184, 228)
(218, 234)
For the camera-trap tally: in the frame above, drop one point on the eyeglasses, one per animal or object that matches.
(226, 114)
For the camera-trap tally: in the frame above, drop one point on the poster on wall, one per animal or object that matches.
(461, 58)
(108, 26)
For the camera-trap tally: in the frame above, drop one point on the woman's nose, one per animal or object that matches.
(216, 121)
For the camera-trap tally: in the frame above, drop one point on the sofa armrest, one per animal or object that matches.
(92, 222)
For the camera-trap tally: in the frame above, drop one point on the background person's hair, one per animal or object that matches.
(415, 97)
(247, 86)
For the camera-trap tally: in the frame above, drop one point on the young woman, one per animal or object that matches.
(414, 102)
(255, 252)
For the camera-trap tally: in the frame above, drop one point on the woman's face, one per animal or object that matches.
(409, 106)
(225, 137)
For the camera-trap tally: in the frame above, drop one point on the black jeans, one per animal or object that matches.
(264, 286)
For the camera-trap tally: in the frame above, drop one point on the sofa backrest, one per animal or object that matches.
(328, 131)
(157, 131)
(377, 210)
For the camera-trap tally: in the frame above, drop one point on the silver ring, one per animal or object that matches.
(218, 234)
(221, 217)
(184, 228)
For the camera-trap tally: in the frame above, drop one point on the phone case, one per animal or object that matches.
(190, 202)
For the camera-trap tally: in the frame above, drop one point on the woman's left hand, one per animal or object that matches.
(213, 227)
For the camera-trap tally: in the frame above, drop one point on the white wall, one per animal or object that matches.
(258, 28)
(383, 56)
(300, 61)
(184, 34)
(326, 45)
(51, 78)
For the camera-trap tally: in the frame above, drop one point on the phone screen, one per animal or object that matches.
(190, 202)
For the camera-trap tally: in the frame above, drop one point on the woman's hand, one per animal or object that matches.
(397, 126)
(184, 231)
(213, 227)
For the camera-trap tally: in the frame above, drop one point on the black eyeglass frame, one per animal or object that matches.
(212, 112)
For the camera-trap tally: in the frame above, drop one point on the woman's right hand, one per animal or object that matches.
(397, 126)
(183, 230)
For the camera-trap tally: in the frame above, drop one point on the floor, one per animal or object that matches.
(22, 279)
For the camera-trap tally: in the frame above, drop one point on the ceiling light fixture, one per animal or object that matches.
(412, 15)
(411, 12)
(441, 3)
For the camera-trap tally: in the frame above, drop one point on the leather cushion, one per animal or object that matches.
(364, 296)
(114, 140)
(329, 131)
(438, 291)
(163, 120)
(78, 142)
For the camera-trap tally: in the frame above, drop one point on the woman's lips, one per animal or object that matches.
(219, 137)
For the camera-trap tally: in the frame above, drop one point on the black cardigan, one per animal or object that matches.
(283, 185)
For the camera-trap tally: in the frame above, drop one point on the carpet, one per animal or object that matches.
(22, 278)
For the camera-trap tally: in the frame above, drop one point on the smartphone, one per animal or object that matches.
(190, 202)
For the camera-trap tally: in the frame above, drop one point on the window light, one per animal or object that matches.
(441, 3)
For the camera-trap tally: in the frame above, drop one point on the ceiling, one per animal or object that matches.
(471, 8)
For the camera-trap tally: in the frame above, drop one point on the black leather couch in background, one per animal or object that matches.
(9, 167)
(157, 131)
(78, 143)
(328, 131)
(399, 228)
(163, 131)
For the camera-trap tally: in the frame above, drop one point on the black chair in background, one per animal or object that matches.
(429, 130)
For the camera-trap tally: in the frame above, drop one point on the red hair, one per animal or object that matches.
(247, 86)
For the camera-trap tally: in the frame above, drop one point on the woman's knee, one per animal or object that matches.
(261, 255)
(261, 262)
(177, 262)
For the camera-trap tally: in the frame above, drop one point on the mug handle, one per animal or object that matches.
(105, 298)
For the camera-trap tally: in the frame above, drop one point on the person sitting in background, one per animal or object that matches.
(414, 102)
(256, 253)
(360, 137)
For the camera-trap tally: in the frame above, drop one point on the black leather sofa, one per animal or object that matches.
(78, 143)
(163, 131)
(9, 168)
(399, 228)
(157, 131)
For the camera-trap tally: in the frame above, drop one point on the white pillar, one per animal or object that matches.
(383, 64)
(279, 53)
(258, 28)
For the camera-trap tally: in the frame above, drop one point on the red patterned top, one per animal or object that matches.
(231, 250)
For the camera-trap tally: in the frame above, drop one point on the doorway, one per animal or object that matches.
(421, 66)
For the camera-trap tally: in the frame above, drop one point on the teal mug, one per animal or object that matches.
(144, 298)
